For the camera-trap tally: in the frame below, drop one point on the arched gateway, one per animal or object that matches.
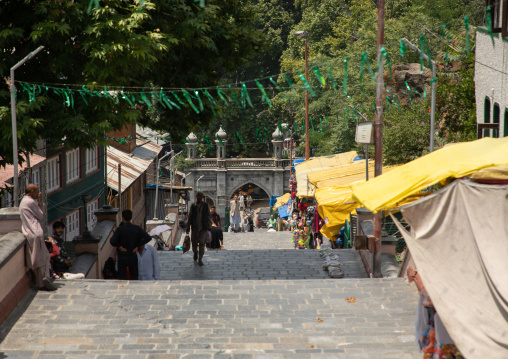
(218, 178)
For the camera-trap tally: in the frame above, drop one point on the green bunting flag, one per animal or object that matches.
(189, 100)
(239, 138)
(320, 124)
(424, 46)
(234, 96)
(402, 49)
(245, 96)
(89, 9)
(281, 131)
(443, 34)
(290, 83)
(488, 20)
(207, 139)
(304, 80)
(219, 139)
(344, 80)
(201, 108)
(385, 54)
(365, 60)
(223, 96)
(266, 134)
(178, 99)
(320, 77)
(264, 96)
(211, 100)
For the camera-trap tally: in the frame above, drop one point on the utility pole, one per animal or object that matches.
(378, 133)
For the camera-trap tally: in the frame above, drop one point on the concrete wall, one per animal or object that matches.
(491, 80)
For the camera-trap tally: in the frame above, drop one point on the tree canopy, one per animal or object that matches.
(119, 45)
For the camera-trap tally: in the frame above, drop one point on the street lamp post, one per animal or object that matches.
(157, 183)
(197, 182)
(15, 125)
(306, 35)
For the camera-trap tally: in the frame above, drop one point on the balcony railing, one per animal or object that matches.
(240, 163)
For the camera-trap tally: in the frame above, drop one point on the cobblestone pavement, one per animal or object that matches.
(237, 316)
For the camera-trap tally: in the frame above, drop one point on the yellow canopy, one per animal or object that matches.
(334, 206)
(455, 161)
(318, 164)
(282, 200)
(341, 175)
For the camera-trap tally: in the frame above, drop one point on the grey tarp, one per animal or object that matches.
(459, 242)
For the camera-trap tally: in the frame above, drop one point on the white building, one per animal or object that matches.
(491, 74)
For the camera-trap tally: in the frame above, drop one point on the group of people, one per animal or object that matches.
(137, 260)
(239, 220)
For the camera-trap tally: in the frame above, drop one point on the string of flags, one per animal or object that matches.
(197, 99)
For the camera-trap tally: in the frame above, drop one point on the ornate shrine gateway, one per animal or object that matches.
(219, 178)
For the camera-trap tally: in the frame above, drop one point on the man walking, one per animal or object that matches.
(31, 214)
(148, 263)
(127, 238)
(199, 221)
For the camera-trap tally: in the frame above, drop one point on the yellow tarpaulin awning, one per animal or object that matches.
(318, 164)
(455, 161)
(282, 200)
(334, 206)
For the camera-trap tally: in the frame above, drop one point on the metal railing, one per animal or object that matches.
(241, 163)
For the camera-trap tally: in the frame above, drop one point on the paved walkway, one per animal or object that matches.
(261, 307)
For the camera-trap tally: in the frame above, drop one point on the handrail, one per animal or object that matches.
(240, 163)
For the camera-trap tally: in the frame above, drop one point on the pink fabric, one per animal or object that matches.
(31, 215)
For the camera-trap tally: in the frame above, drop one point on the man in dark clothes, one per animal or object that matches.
(217, 237)
(127, 238)
(199, 221)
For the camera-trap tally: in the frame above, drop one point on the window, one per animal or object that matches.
(36, 177)
(505, 127)
(91, 159)
(486, 116)
(72, 163)
(53, 180)
(91, 219)
(495, 119)
(8, 198)
(72, 228)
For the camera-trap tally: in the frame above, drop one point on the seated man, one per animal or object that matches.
(60, 260)
(148, 263)
(270, 228)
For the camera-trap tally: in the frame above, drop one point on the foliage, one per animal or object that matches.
(171, 44)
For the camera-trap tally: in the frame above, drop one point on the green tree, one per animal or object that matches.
(171, 44)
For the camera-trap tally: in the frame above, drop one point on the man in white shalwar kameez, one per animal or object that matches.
(37, 254)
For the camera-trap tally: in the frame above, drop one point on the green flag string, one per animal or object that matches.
(223, 96)
(266, 134)
(320, 124)
(385, 54)
(126, 98)
(424, 46)
(234, 96)
(443, 34)
(239, 138)
(189, 100)
(344, 80)
(201, 108)
(263, 93)
(83, 96)
(290, 83)
(304, 80)
(178, 99)
(168, 101)
(211, 100)
(145, 100)
(280, 130)
(402, 49)
(220, 140)
(207, 139)
(320, 77)
(365, 60)
(89, 9)
(346, 116)
(245, 96)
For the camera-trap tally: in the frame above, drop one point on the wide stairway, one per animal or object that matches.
(258, 298)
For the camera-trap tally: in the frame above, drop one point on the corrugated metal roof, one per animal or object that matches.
(133, 164)
(8, 172)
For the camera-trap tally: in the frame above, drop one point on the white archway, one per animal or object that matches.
(231, 192)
